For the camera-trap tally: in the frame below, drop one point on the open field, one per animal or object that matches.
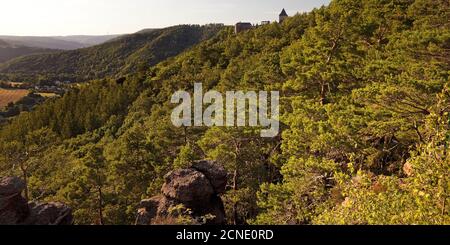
(15, 83)
(47, 95)
(11, 95)
(11, 83)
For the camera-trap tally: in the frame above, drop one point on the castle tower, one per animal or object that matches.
(283, 16)
(243, 26)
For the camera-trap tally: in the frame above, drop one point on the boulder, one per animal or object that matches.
(148, 210)
(214, 172)
(15, 210)
(53, 213)
(166, 205)
(13, 207)
(11, 185)
(196, 188)
(187, 186)
(215, 208)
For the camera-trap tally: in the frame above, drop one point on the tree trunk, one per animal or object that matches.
(235, 204)
(25, 179)
(100, 206)
(237, 145)
(323, 94)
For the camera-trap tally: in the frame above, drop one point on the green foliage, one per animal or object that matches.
(124, 55)
(422, 198)
(246, 157)
(365, 115)
(81, 110)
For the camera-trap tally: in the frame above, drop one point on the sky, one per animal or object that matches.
(101, 17)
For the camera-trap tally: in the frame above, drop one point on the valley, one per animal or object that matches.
(121, 56)
(58, 42)
(12, 47)
(9, 51)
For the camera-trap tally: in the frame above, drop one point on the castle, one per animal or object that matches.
(245, 26)
(283, 16)
(242, 26)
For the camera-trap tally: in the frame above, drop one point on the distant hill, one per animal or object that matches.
(122, 55)
(87, 41)
(10, 51)
(58, 42)
(147, 30)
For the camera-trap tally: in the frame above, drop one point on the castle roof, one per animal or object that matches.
(283, 13)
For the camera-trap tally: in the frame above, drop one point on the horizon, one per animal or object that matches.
(83, 18)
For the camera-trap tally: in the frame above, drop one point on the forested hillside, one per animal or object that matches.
(365, 107)
(43, 42)
(10, 51)
(123, 55)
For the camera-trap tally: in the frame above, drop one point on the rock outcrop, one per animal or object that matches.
(15, 210)
(53, 213)
(197, 188)
(13, 207)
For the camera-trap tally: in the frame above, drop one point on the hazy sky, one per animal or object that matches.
(99, 17)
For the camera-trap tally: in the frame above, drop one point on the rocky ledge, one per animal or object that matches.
(197, 188)
(15, 210)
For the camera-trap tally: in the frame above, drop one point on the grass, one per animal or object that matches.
(15, 83)
(11, 95)
(47, 95)
(12, 83)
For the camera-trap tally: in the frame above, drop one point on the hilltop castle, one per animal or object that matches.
(283, 16)
(244, 26)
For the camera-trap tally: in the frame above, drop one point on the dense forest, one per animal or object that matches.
(123, 55)
(365, 111)
(10, 51)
